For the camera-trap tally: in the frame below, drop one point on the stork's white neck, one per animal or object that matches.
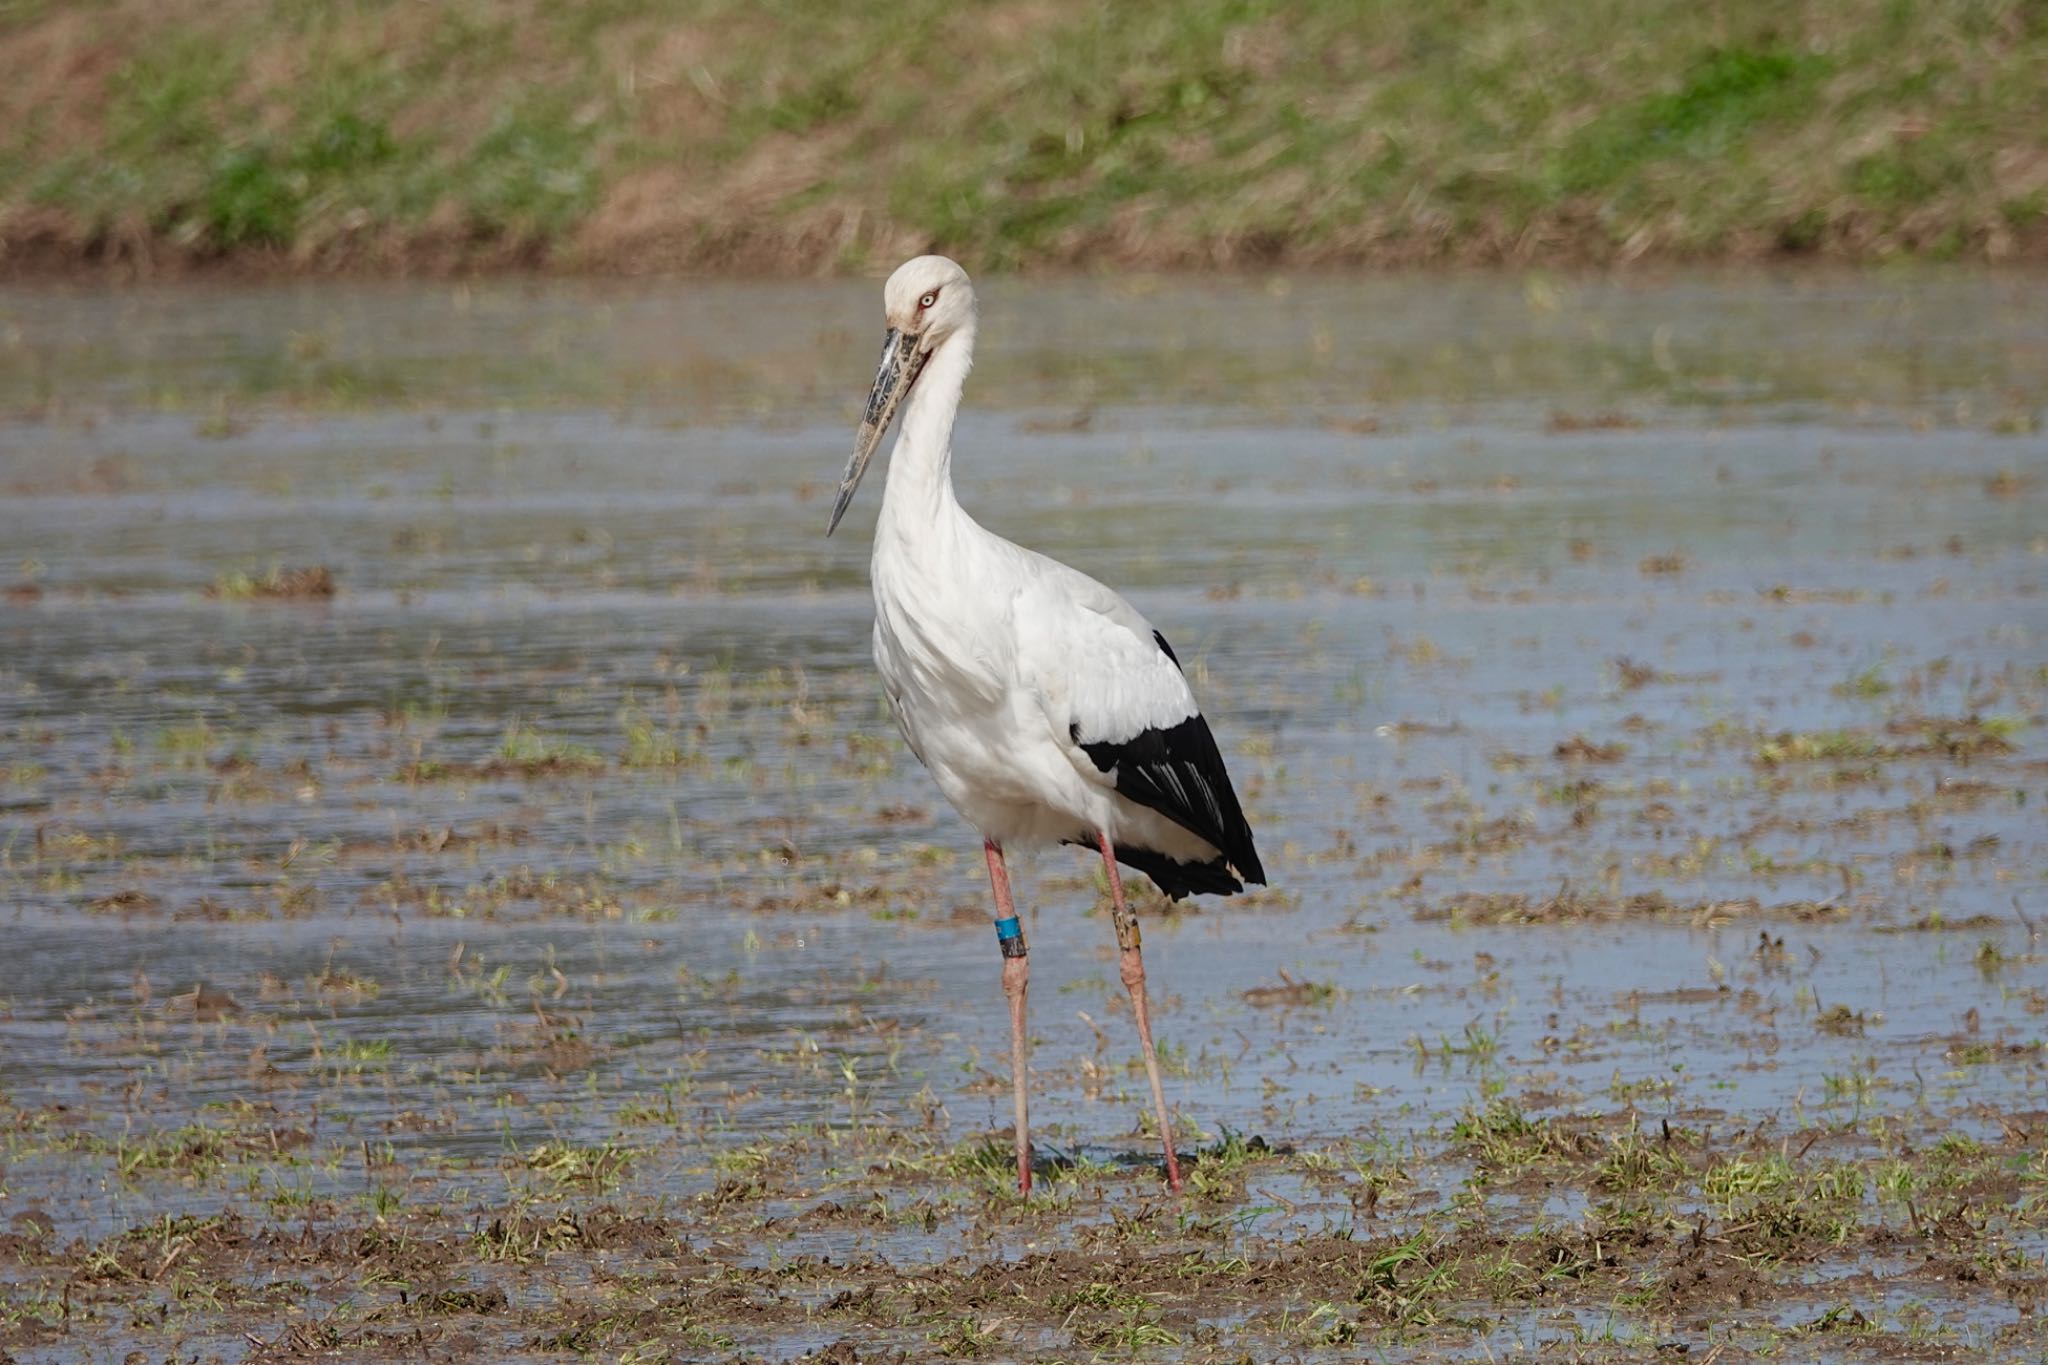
(921, 467)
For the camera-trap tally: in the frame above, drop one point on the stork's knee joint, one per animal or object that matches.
(1133, 971)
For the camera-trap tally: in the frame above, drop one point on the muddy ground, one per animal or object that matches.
(465, 901)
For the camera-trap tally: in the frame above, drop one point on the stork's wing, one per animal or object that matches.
(1111, 687)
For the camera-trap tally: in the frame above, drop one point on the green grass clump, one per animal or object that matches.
(597, 1167)
(1730, 1182)
(1866, 686)
(1819, 746)
(1505, 1139)
(647, 744)
(1406, 1283)
(362, 1052)
(311, 584)
(530, 752)
(1636, 1164)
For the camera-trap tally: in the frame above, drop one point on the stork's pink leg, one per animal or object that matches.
(1131, 951)
(1016, 985)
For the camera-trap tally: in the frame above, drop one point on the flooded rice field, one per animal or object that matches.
(465, 899)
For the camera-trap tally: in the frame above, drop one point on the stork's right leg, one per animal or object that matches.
(1016, 985)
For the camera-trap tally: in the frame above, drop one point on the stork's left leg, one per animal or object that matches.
(1132, 953)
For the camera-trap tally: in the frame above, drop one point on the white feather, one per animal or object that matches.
(991, 653)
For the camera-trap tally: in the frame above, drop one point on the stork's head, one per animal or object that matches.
(928, 299)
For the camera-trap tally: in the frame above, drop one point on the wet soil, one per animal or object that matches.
(466, 901)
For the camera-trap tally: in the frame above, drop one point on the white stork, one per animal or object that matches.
(1046, 708)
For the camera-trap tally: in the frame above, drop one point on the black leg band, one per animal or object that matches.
(1010, 935)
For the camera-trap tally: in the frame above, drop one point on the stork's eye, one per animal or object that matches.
(929, 299)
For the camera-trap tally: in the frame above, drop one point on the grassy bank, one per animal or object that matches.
(792, 135)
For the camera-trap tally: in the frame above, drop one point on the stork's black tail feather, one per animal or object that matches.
(1176, 879)
(1178, 771)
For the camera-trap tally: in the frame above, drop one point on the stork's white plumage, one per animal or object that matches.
(1046, 708)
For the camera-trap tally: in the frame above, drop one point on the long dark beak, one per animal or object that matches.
(901, 361)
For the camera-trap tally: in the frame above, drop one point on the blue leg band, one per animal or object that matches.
(1010, 935)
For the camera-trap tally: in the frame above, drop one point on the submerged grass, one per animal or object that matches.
(799, 135)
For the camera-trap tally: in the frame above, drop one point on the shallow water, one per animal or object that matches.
(576, 802)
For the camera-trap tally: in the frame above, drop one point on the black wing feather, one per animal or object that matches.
(1178, 771)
